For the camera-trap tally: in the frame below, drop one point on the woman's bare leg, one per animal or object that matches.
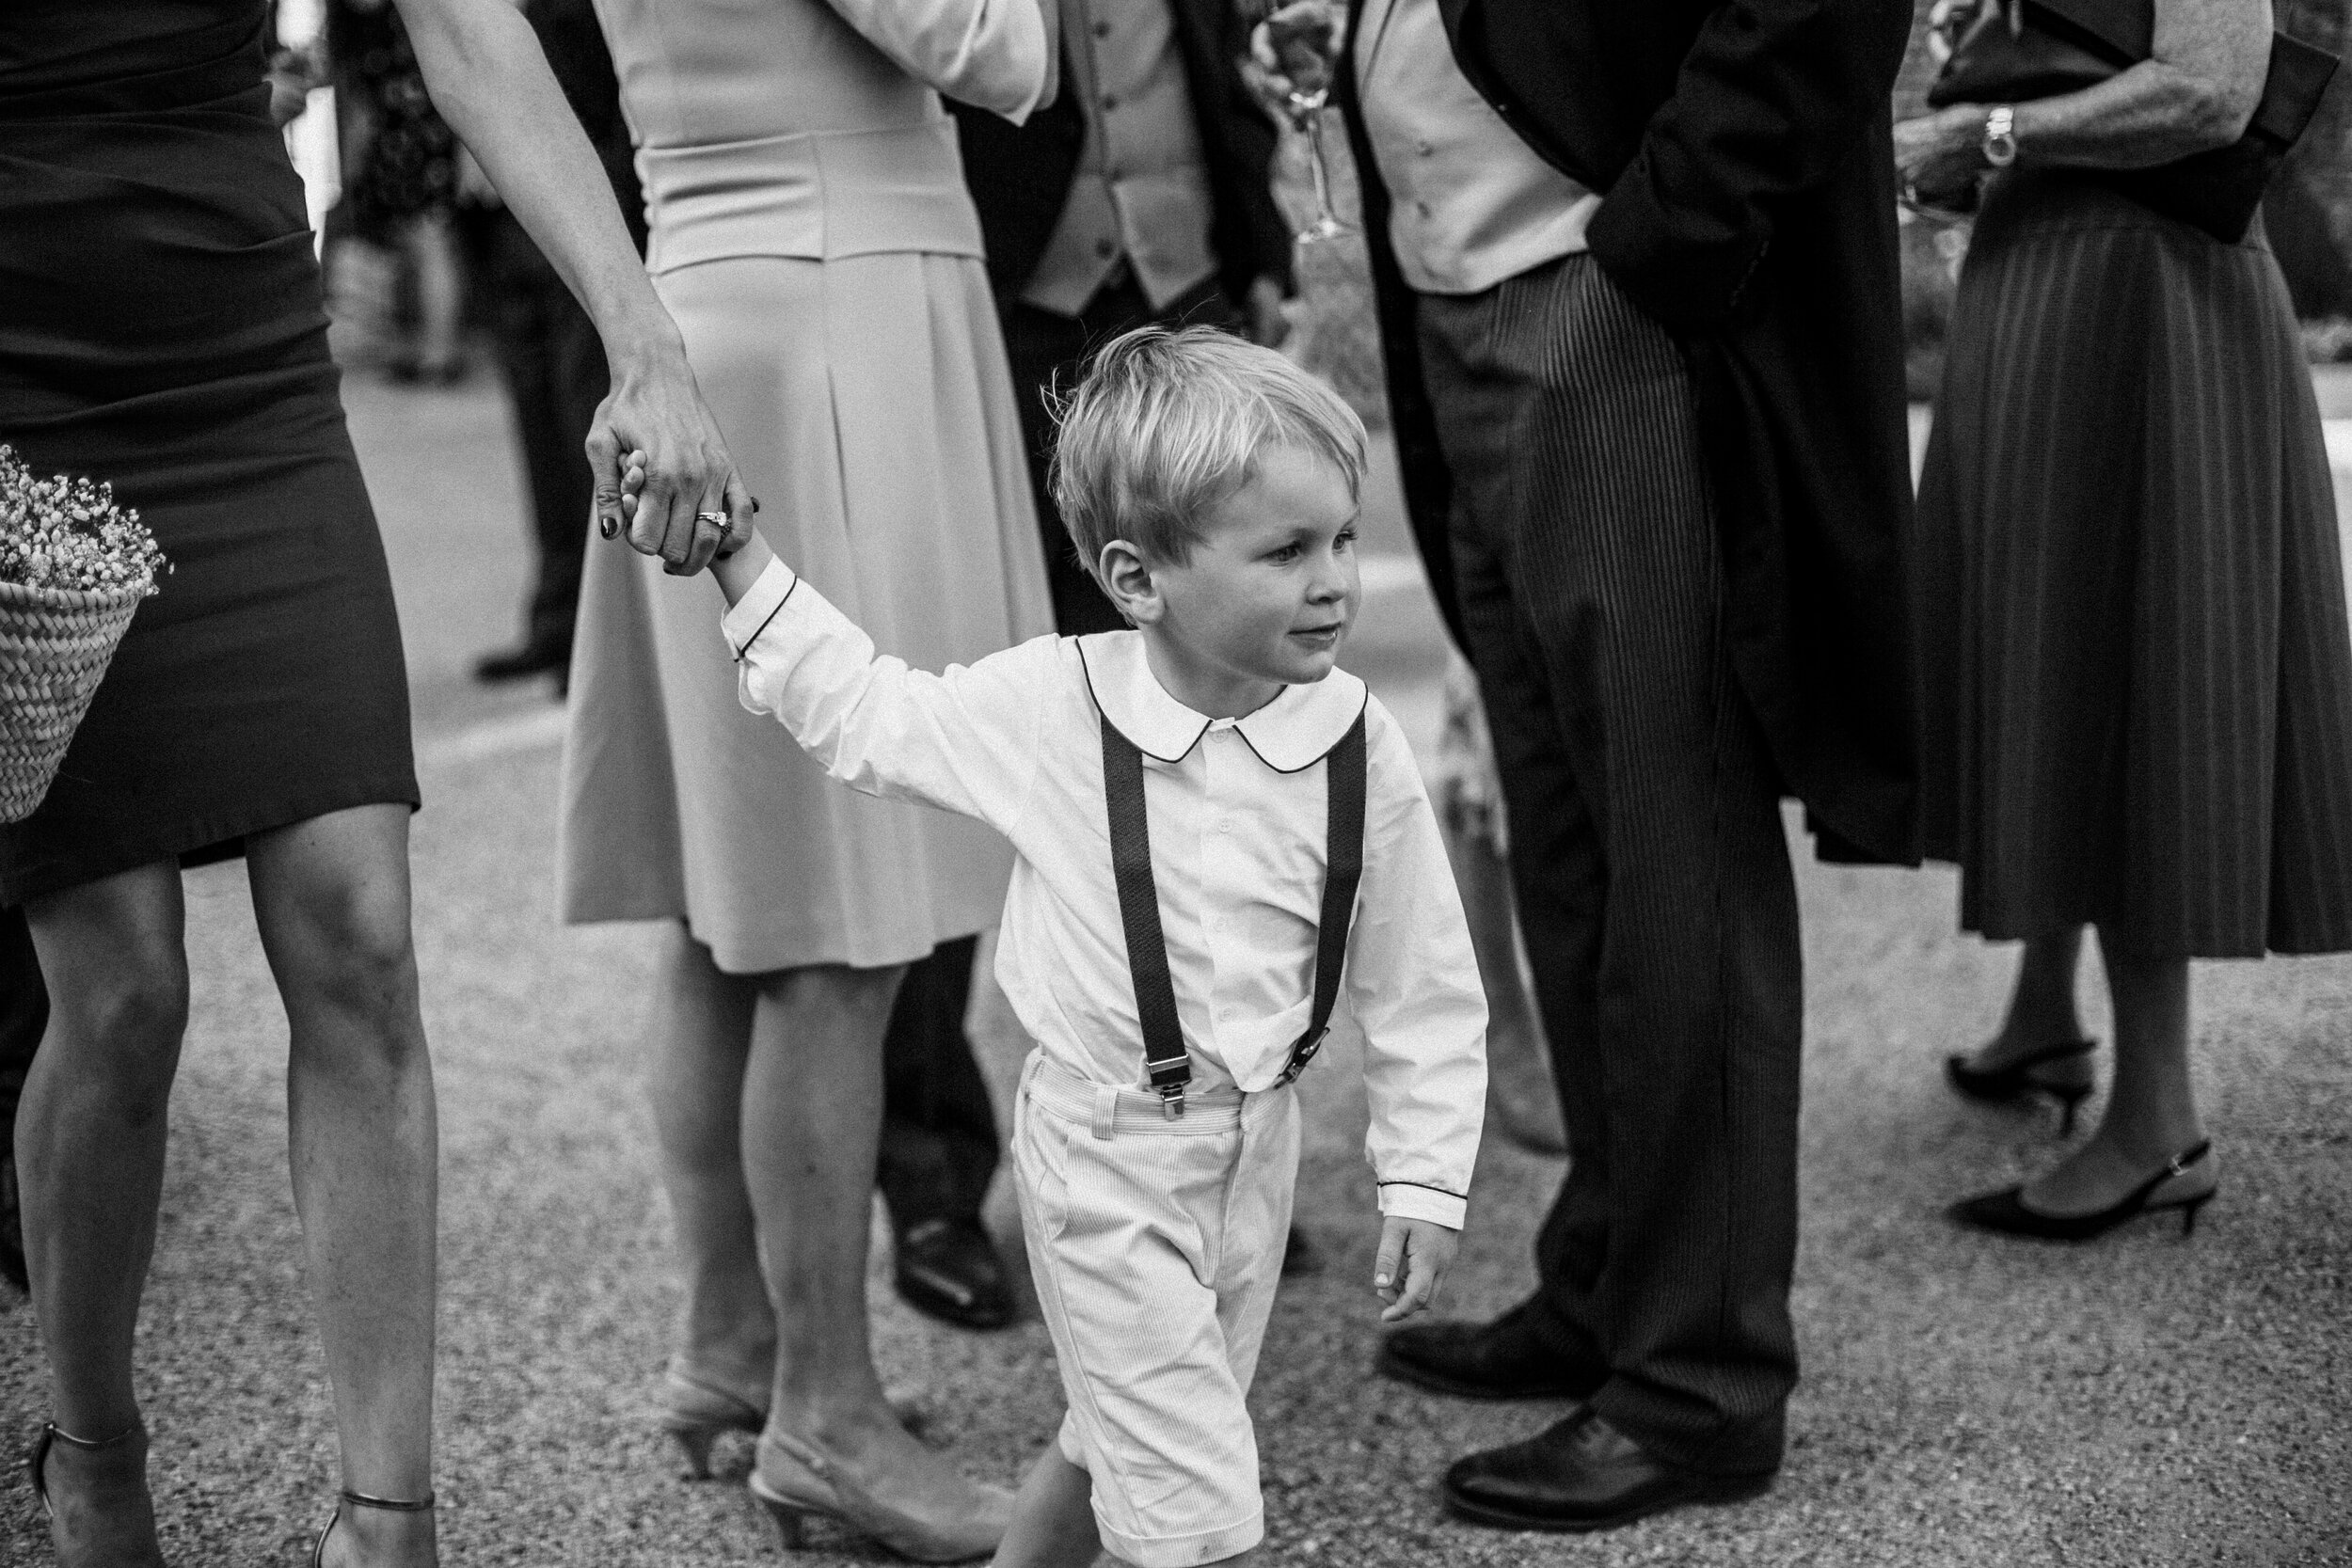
(2152, 1109)
(2041, 1010)
(812, 1121)
(701, 1041)
(89, 1147)
(331, 898)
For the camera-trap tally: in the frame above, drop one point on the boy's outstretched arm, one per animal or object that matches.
(1414, 1257)
(963, 741)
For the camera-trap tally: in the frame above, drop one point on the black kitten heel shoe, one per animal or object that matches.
(2006, 1212)
(1999, 1086)
(360, 1499)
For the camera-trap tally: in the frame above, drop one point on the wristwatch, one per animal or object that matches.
(2000, 135)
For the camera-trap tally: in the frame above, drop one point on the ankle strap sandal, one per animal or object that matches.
(52, 1434)
(362, 1499)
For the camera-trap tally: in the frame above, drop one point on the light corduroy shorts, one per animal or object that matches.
(1156, 1245)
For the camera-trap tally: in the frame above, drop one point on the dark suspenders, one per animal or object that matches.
(1164, 1055)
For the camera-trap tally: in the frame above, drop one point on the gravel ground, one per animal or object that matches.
(1966, 1400)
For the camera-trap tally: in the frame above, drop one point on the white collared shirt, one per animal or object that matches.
(1237, 814)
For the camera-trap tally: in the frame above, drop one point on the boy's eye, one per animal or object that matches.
(1282, 554)
(1346, 537)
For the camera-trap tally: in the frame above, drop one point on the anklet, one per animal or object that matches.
(70, 1440)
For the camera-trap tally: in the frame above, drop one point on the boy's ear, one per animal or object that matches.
(1127, 577)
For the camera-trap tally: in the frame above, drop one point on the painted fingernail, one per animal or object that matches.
(755, 503)
(609, 526)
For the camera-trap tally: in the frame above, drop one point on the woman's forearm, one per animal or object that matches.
(2150, 114)
(483, 67)
(2197, 93)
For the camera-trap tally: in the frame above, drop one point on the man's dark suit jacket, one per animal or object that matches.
(1019, 176)
(1742, 152)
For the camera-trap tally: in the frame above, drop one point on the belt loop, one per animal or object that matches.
(1106, 1110)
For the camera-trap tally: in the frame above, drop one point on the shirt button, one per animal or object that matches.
(1422, 207)
(1423, 148)
(1109, 103)
(1102, 29)
(1103, 248)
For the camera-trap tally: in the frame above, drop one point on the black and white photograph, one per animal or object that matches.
(1155, 783)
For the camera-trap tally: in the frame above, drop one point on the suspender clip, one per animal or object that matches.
(1301, 1054)
(1171, 1100)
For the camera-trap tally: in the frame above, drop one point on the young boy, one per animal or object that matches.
(1212, 826)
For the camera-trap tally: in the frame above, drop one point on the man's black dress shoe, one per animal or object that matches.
(948, 1270)
(1506, 1360)
(1582, 1474)
(520, 664)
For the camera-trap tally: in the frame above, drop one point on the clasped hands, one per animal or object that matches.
(663, 473)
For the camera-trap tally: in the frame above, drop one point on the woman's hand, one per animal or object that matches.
(1939, 155)
(678, 478)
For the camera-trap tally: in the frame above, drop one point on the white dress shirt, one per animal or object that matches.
(1471, 203)
(1237, 812)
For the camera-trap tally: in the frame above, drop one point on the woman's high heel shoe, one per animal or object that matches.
(360, 1499)
(2006, 1212)
(2020, 1077)
(695, 1413)
(138, 1524)
(796, 1481)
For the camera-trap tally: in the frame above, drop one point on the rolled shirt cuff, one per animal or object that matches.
(755, 609)
(1404, 1200)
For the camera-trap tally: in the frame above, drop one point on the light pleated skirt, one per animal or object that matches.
(868, 404)
(2131, 606)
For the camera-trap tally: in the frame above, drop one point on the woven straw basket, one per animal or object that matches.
(54, 643)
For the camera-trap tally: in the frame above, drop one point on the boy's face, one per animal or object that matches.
(1269, 589)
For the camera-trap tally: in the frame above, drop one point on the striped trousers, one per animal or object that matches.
(1647, 854)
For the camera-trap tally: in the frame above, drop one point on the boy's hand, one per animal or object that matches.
(1414, 1256)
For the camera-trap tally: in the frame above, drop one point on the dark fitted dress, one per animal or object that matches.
(161, 328)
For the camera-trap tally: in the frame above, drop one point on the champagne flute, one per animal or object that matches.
(1307, 38)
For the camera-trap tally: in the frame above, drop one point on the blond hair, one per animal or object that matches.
(1168, 425)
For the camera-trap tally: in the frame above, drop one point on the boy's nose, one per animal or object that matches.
(1330, 586)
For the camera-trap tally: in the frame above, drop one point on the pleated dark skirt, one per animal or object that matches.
(2131, 597)
(161, 328)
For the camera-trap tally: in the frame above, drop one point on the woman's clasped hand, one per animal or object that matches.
(667, 513)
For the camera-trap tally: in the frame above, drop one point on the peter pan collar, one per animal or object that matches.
(1289, 734)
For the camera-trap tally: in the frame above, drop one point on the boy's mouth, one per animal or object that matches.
(1320, 636)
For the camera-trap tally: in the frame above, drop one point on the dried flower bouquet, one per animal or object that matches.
(73, 568)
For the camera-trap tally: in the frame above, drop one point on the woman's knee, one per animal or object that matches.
(345, 946)
(118, 1030)
(117, 976)
(835, 987)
